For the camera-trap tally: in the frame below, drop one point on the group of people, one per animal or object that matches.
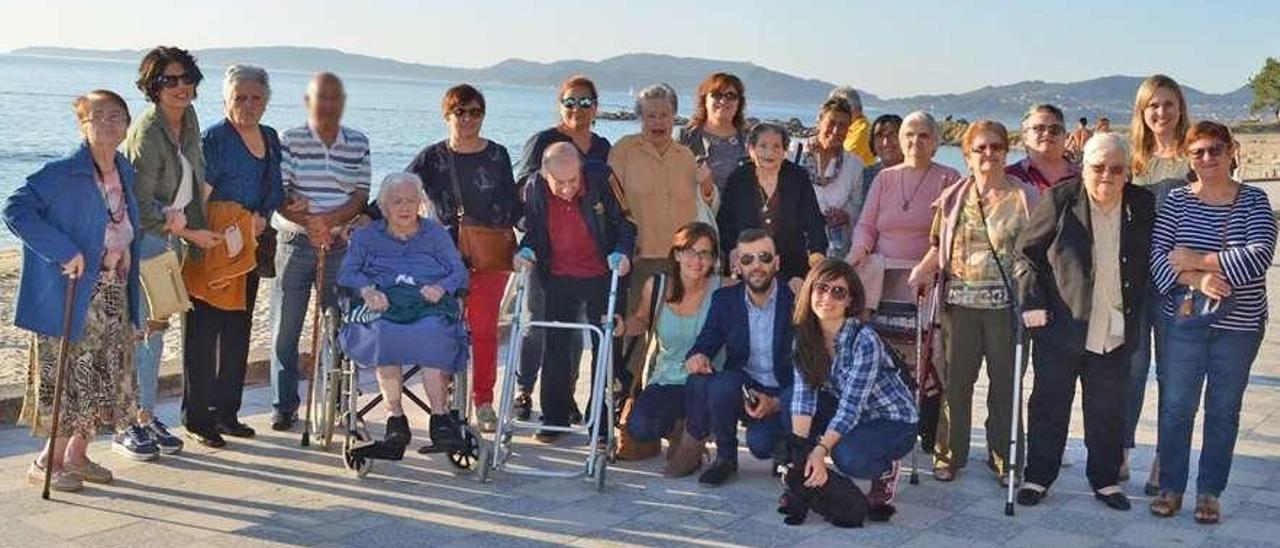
(767, 279)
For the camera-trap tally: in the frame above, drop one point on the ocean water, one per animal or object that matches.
(400, 116)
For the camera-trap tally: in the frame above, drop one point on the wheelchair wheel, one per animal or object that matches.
(327, 384)
(463, 458)
(359, 465)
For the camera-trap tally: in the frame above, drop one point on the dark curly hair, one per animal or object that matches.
(153, 64)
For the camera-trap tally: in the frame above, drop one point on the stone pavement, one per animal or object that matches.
(271, 491)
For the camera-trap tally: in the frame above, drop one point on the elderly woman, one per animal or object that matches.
(858, 140)
(836, 174)
(772, 193)
(164, 146)
(1213, 242)
(1082, 277)
(1160, 164)
(972, 244)
(885, 147)
(1044, 136)
(468, 179)
(76, 219)
(717, 131)
(408, 273)
(242, 170)
(893, 230)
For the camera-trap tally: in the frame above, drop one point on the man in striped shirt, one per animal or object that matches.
(326, 173)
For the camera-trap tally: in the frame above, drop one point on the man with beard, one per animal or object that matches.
(750, 322)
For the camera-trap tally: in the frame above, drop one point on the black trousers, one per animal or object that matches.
(564, 298)
(1104, 380)
(215, 353)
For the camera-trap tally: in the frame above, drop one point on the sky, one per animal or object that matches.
(890, 48)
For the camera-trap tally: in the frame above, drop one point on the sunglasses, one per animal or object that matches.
(837, 292)
(1114, 171)
(991, 148)
(1052, 129)
(169, 81)
(747, 259)
(688, 254)
(573, 103)
(727, 96)
(1207, 152)
(473, 112)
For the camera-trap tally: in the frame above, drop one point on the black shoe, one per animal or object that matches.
(1030, 497)
(398, 433)
(720, 473)
(1114, 501)
(446, 434)
(235, 429)
(207, 437)
(548, 436)
(283, 422)
(575, 415)
(523, 406)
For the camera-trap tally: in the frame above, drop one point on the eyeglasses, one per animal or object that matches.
(687, 254)
(989, 148)
(1052, 129)
(169, 81)
(573, 103)
(837, 292)
(113, 118)
(472, 112)
(747, 259)
(1114, 171)
(1207, 152)
(726, 96)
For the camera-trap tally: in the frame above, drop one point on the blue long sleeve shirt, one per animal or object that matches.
(863, 381)
(375, 257)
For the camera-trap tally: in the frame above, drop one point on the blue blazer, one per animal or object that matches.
(726, 328)
(57, 213)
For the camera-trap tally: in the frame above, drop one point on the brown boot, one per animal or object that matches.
(674, 438)
(632, 450)
(687, 457)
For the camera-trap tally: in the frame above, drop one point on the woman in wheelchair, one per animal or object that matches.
(409, 276)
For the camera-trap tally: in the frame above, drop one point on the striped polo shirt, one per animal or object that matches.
(327, 176)
(1249, 230)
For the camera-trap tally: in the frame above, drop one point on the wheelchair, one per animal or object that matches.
(336, 393)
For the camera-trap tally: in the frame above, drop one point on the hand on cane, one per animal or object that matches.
(74, 268)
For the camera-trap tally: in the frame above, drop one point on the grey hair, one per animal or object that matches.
(395, 180)
(848, 94)
(921, 117)
(244, 73)
(1100, 144)
(660, 90)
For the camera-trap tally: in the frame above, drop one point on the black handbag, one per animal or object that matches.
(266, 254)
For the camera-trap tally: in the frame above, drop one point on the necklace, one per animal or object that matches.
(906, 200)
(765, 201)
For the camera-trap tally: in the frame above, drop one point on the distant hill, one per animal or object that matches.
(1110, 96)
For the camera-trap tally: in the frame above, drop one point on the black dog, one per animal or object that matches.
(838, 500)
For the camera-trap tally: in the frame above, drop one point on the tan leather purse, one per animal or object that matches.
(163, 287)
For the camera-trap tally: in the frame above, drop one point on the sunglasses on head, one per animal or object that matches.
(1207, 152)
(172, 80)
(725, 96)
(1115, 171)
(572, 103)
(838, 292)
(747, 259)
(471, 112)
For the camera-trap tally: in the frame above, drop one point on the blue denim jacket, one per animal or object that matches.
(58, 213)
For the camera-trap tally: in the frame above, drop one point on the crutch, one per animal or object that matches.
(63, 347)
(315, 343)
(1017, 411)
(915, 450)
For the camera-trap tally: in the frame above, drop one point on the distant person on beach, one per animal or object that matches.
(164, 146)
(242, 169)
(836, 173)
(469, 182)
(717, 131)
(1046, 163)
(325, 170)
(1104, 125)
(887, 150)
(578, 103)
(1158, 128)
(1077, 139)
(858, 140)
(76, 218)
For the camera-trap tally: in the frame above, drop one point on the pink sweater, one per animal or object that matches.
(885, 227)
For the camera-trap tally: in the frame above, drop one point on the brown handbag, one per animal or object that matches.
(483, 248)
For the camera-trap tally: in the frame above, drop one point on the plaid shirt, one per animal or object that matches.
(862, 380)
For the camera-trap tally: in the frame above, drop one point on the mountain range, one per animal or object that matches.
(1110, 96)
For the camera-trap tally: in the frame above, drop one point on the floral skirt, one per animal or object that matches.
(100, 390)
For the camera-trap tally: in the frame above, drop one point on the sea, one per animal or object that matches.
(400, 116)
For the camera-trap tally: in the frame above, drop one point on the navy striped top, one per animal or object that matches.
(1250, 233)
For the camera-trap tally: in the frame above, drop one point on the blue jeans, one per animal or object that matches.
(1150, 323)
(713, 406)
(1219, 361)
(655, 411)
(296, 261)
(147, 352)
(867, 451)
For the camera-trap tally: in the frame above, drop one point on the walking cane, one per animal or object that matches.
(915, 450)
(315, 345)
(63, 347)
(1017, 410)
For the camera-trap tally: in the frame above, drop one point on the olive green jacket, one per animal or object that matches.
(152, 148)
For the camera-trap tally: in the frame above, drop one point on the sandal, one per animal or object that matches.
(1208, 511)
(1166, 505)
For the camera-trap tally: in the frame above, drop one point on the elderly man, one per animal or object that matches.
(858, 140)
(1082, 274)
(576, 233)
(326, 177)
